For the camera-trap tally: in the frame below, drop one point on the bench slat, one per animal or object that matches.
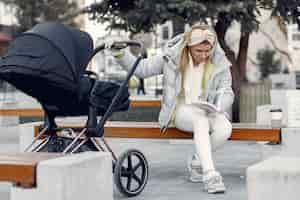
(145, 102)
(151, 130)
(20, 168)
(24, 112)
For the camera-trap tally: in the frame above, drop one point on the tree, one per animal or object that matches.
(31, 12)
(143, 15)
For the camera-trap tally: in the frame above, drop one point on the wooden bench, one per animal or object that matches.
(151, 130)
(20, 168)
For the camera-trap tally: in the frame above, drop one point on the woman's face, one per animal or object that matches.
(200, 52)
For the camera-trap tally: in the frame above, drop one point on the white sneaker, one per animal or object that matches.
(213, 182)
(195, 170)
(195, 175)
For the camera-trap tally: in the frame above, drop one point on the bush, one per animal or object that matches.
(267, 62)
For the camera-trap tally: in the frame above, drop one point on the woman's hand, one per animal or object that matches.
(115, 47)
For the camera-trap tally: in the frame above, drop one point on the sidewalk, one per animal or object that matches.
(168, 173)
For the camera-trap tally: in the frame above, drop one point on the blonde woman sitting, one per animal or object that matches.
(195, 69)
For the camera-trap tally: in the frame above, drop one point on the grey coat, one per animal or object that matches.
(218, 88)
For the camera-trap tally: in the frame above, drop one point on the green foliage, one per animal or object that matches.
(267, 62)
(289, 10)
(31, 12)
(143, 15)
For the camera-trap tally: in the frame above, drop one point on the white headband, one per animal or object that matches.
(199, 35)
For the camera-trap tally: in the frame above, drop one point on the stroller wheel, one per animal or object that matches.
(131, 172)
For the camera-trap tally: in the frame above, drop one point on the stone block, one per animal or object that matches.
(277, 178)
(79, 176)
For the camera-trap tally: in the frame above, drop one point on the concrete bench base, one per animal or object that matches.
(268, 150)
(83, 176)
(289, 146)
(26, 135)
(277, 178)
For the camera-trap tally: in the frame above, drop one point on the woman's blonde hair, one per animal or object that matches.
(184, 54)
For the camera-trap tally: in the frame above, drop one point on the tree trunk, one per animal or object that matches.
(242, 55)
(238, 68)
(221, 29)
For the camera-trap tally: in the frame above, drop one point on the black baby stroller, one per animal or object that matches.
(49, 63)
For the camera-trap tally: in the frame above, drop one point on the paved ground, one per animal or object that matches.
(167, 161)
(168, 173)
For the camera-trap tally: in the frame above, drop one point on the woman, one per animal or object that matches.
(195, 68)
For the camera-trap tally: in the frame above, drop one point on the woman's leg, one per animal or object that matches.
(220, 128)
(191, 119)
(220, 131)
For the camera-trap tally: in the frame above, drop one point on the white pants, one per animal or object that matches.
(210, 131)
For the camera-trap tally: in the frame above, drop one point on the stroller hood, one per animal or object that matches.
(48, 61)
(76, 46)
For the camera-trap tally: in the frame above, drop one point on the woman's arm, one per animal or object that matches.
(225, 96)
(153, 65)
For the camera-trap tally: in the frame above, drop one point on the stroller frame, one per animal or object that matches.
(94, 132)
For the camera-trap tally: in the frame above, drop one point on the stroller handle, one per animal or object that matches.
(99, 127)
(98, 130)
(116, 45)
